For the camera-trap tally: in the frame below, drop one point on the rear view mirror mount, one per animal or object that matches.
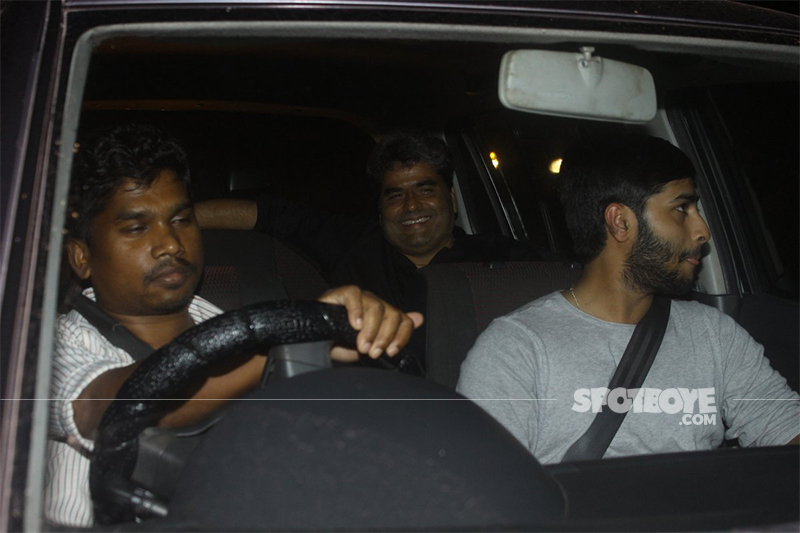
(578, 85)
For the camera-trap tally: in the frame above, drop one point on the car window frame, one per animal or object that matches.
(76, 43)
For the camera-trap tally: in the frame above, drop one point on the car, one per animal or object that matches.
(287, 98)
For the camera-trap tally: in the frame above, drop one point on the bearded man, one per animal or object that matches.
(542, 371)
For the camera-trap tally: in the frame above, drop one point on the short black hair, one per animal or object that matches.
(626, 169)
(407, 148)
(127, 151)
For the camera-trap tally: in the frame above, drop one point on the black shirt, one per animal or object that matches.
(352, 250)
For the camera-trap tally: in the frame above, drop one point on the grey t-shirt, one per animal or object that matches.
(543, 372)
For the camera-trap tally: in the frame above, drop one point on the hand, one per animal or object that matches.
(382, 327)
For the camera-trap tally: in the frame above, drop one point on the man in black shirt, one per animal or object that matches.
(413, 176)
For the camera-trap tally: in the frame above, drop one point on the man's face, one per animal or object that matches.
(146, 254)
(665, 256)
(417, 211)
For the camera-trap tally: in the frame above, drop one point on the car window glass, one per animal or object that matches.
(317, 161)
(762, 127)
(523, 154)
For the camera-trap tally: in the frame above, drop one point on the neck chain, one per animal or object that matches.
(575, 298)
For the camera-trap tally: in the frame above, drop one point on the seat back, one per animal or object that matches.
(464, 298)
(247, 267)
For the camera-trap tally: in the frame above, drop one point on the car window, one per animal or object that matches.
(522, 154)
(760, 122)
(317, 161)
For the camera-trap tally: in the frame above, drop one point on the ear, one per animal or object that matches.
(620, 222)
(453, 199)
(78, 255)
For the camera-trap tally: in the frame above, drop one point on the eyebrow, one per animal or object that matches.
(416, 185)
(692, 198)
(139, 214)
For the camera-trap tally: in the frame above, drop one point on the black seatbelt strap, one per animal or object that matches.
(630, 374)
(109, 328)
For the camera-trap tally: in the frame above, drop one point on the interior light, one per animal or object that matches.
(555, 166)
(495, 161)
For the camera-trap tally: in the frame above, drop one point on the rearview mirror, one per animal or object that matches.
(577, 85)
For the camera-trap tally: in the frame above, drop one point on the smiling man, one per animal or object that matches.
(413, 177)
(542, 371)
(417, 211)
(135, 240)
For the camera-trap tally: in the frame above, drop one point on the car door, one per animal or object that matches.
(31, 43)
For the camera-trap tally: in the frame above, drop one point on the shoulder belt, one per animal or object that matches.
(113, 331)
(630, 374)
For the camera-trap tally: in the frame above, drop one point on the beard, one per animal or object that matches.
(646, 267)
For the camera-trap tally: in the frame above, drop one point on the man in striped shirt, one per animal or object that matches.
(135, 239)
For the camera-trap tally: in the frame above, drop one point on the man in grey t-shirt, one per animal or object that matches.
(543, 370)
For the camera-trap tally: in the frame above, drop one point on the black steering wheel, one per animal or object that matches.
(170, 370)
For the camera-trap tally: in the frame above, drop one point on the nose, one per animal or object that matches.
(411, 202)
(701, 232)
(167, 241)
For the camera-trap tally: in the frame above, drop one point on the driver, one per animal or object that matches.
(135, 239)
(542, 371)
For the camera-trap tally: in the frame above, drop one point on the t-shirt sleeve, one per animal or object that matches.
(498, 375)
(758, 406)
(79, 357)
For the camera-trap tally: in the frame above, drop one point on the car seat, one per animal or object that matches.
(463, 299)
(247, 267)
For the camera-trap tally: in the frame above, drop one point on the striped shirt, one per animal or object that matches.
(81, 355)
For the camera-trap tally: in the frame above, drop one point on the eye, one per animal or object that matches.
(133, 230)
(183, 219)
(427, 190)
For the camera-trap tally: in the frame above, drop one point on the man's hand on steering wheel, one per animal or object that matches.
(382, 327)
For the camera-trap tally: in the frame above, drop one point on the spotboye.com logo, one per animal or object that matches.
(698, 405)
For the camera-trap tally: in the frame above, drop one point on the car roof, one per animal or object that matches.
(709, 17)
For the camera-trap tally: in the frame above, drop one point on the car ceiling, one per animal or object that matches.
(426, 82)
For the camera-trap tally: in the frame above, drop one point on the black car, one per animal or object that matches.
(287, 98)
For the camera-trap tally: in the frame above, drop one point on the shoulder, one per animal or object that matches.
(695, 315)
(201, 309)
(72, 329)
(540, 313)
(525, 326)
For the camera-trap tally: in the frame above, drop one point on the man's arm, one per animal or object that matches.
(226, 214)
(760, 409)
(381, 328)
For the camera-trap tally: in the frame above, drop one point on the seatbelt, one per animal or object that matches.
(112, 330)
(630, 374)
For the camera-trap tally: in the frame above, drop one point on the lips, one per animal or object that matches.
(415, 221)
(170, 274)
(693, 260)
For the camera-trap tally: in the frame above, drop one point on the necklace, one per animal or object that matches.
(575, 298)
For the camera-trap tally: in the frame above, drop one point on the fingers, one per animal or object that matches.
(416, 318)
(382, 327)
(350, 297)
(344, 355)
(381, 322)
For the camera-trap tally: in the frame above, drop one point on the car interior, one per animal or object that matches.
(264, 108)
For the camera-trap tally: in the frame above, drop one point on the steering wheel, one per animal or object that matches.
(169, 371)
